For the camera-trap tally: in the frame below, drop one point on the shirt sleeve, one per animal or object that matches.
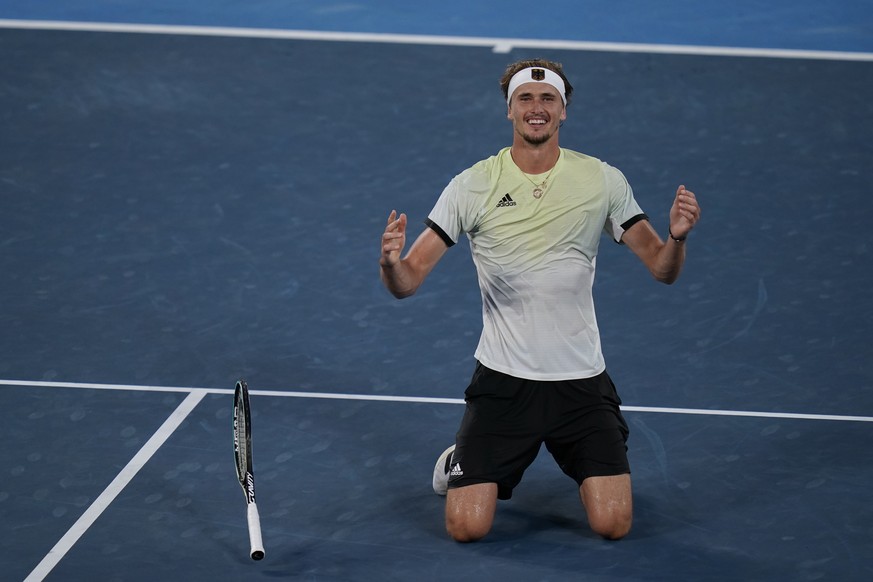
(624, 211)
(456, 211)
(445, 217)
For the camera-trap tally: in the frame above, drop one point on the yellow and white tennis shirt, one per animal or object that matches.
(535, 258)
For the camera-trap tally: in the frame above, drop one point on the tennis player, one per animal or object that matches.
(534, 214)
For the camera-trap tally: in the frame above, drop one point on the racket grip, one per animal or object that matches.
(255, 532)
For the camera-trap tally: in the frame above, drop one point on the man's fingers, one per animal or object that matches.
(395, 222)
(395, 234)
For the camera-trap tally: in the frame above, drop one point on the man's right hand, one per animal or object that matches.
(393, 239)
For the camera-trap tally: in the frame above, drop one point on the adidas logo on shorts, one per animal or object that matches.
(456, 470)
(506, 201)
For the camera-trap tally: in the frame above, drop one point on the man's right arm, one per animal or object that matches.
(403, 276)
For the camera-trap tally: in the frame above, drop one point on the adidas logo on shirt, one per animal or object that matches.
(506, 201)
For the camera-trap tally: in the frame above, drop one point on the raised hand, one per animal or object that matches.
(393, 239)
(684, 213)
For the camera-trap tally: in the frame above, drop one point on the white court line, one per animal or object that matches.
(498, 45)
(748, 413)
(118, 484)
(423, 400)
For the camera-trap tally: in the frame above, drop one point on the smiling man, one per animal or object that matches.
(534, 214)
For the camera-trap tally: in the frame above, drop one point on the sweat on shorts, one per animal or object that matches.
(507, 419)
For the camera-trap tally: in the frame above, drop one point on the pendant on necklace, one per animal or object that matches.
(538, 193)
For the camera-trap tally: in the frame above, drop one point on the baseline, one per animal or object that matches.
(498, 45)
(423, 400)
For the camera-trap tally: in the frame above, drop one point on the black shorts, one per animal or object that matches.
(507, 419)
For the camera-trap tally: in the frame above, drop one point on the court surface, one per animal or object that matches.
(182, 208)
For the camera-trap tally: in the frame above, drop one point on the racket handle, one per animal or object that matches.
(255, 532)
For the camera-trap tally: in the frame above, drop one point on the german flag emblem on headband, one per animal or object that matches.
(537, 74)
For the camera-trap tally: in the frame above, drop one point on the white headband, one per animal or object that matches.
(536, 75)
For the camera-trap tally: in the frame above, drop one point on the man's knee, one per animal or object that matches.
(465, 530)
(609, 505)
(611, 526)
(470, 511)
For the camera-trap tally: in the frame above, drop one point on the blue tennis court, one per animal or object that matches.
(186, 206)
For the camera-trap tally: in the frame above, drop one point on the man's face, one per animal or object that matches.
(536, 111)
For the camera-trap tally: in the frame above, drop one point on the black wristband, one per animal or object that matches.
(679, 240)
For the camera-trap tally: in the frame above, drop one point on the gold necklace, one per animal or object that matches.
(539, 189)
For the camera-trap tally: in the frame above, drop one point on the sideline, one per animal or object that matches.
(115, 487)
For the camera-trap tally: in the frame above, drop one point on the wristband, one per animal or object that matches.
(678, 240)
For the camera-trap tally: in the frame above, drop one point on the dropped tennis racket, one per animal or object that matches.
(242, 448)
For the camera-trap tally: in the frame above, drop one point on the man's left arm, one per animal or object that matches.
(664, 259)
